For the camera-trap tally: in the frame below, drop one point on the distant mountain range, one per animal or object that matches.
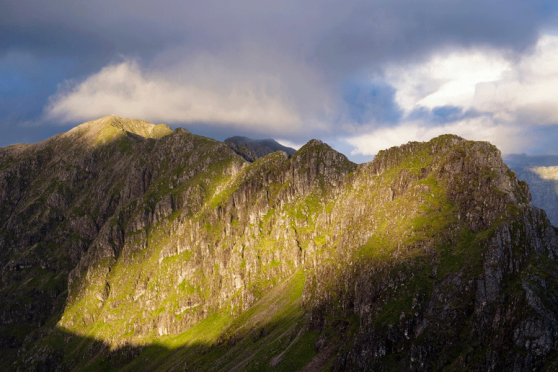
(541, 173)
(253, 149)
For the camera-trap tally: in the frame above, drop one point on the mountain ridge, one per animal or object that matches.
(176, 252)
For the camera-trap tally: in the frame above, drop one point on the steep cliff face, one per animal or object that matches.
(126, 245)
(462, 280)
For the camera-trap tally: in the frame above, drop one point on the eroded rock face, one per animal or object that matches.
(429, 257)
(502, 310)
(421, 310)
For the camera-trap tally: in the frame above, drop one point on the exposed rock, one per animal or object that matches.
(119, 233)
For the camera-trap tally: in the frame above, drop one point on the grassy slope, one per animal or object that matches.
(221, 342)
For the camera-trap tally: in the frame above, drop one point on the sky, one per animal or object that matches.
(361, 75)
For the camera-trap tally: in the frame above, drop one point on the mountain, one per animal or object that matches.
(543, 183)
(252, 150)
(128, 246)
(541, 173)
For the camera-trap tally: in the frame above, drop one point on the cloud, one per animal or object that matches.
(447, 79)
(528, 92)
(485, 81)
(279, 68)
(199, 89)
(291, 144)
(507, 139)
(340, 35)
(477, 94)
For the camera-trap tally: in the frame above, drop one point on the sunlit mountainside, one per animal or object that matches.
(129, 246)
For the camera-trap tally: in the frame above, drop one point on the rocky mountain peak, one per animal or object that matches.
(111, 128)
(317, 156)
(314, 142)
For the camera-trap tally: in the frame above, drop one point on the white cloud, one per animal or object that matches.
(236, 90)
(446, 79)
(126, 90)
(273, 93)
(528, 92)
(507, 97)
(291, 144)
(485, 81)
(507, 139)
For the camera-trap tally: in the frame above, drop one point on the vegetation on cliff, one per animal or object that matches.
(130, 246)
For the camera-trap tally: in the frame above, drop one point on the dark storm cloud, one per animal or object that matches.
(337, 35)
(378, 32)
(90, 32)
(441, 114)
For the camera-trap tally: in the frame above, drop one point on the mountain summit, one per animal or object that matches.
(163, 250)
(112, 127)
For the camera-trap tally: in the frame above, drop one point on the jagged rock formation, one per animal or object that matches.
(125, 245)
(252, 150)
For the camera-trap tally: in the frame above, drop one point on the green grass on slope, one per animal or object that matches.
(417, 235)
(272, 328)
(271, 335)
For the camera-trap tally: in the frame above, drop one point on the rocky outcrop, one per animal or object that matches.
(496, 319)
(455, 298)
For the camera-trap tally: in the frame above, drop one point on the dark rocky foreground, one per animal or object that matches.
(128, 246)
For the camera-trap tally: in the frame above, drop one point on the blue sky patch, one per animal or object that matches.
(373, 102)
